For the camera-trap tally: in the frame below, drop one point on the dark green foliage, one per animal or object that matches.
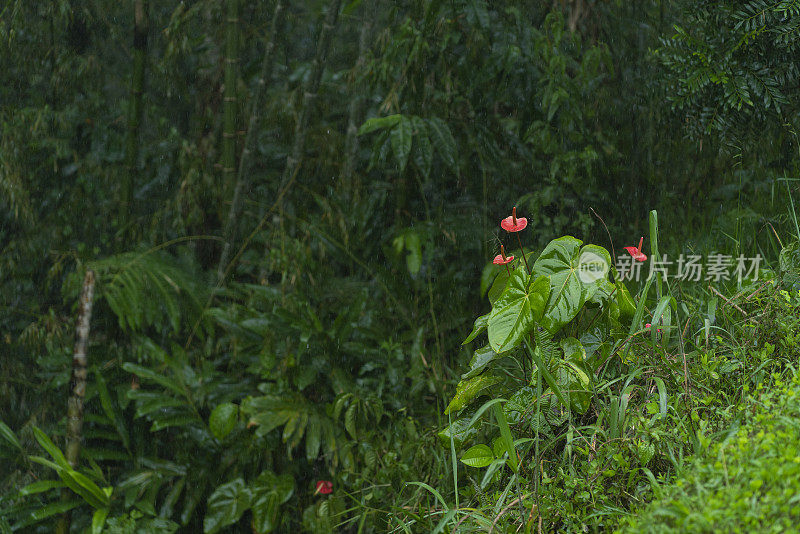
(328, 344)
(744, 482)
(732, 68)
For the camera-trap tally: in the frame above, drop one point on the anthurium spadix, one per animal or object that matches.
(517, 310)
(575, 273)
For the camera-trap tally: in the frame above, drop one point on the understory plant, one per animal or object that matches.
(587, 394)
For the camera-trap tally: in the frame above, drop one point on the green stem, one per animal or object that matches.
(654, 256)
(522, 251)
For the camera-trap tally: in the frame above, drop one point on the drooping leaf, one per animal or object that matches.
(479, 326)
(48, 445)
(480, 359)
(401, 137)
(83, 486)
(8, 434)
(49, 510)
(379, 123)
(443, 142)
(40, 486)
(144, 372)
(467, 390)
(459, 430)
(110, 408)
(422, 150)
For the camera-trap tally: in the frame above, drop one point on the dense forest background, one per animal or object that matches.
(291, 208)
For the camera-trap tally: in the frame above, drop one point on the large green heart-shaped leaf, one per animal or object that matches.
(517, 310)
(571, 285)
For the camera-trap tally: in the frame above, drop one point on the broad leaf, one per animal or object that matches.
(226, 505)
(223, 419)
(517, 310)
(99, 520)
(498, 286)
(570, 287)
(627, 307)
(467, 390)
(478, 456)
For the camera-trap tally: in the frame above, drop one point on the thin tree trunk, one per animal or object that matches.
(229, 97)
(242, 178)
(78, 384)
(356, 108)
(140, 30)
(310, 93)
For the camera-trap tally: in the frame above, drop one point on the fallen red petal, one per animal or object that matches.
(324, 487)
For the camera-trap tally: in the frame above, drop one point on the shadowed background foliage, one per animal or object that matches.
(288, 206)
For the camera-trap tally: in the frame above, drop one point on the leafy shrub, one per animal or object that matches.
(746, 482)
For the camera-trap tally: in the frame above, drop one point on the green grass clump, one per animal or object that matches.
(747, 482)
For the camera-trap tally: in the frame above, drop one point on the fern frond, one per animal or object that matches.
(149, 289)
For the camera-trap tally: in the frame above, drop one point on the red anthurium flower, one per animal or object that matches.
(514, 224)
(636, 252)
(324, 487)
(502, 259)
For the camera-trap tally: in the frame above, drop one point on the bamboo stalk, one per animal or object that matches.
(78, 384)
(140, 30)
(242, 177)
(229, 97)
(356, 108)
(310, 92)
